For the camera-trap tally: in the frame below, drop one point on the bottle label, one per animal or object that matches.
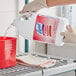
(45, 29)
(39, 28)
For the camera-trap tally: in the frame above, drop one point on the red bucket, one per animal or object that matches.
(7, 52)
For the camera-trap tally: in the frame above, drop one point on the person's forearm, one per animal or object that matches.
(51, 3)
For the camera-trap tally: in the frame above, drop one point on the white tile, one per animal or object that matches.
(37, 47)
(21, 4)
(21, 44)
(32, 46)
(72, 73)
(40, 47)
(74, 17)
(7, 5)
(64, 51)
(6, 18)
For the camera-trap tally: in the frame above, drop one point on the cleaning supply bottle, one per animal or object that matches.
(47, 29)
(42, 28)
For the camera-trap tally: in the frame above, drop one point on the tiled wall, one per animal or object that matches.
(7, 14)
(67, 51)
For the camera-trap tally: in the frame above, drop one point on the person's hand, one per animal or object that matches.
(69, 35)
(33, 6)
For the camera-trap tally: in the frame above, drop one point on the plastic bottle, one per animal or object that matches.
(45, 29)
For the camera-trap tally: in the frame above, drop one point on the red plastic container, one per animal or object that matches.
(7, 52)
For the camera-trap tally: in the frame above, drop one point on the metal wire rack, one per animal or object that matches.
(21, 69)
(18, 69)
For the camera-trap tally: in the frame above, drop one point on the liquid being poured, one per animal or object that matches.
(7, 31)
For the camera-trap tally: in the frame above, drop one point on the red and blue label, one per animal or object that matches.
(45, 29)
